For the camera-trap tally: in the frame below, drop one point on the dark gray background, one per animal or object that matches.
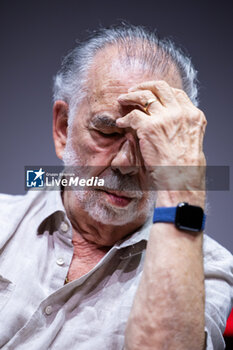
(36, 34)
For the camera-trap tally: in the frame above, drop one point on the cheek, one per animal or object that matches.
(91, 151)
(95, 155)
(91, 154)
(81, 143)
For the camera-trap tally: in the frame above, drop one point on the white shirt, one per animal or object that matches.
(39, 312)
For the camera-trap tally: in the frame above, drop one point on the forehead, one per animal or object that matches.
(110, 76)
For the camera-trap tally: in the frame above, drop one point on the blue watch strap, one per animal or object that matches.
(169, 214)
(164, 214)
(203, 222)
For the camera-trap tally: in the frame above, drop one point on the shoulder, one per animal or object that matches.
(10, 204)
(10, 200)
(13, 209)
(16, 203)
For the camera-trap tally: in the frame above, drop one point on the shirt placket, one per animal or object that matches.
(63, 253)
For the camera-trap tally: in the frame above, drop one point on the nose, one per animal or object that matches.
(126, 160)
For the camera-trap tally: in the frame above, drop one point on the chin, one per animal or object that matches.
(95, 204)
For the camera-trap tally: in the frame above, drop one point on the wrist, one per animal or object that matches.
(172, 198)
(184, 216)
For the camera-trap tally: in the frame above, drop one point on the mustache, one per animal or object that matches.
(115, 181)
(130, 194)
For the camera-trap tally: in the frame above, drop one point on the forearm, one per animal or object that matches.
(168, 310)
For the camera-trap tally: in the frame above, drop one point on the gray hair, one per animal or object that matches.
(135, 42)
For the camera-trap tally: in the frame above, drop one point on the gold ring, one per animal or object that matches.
(148, 103)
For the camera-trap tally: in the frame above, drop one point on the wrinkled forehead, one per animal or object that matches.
(112, 69)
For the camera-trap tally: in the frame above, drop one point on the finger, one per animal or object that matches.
(194, 117)
(159, 88)
(182, 97)
(202, 123)
(141, 99)
(135, 120)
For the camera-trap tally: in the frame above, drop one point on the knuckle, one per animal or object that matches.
(199, 117)
(182, 93)
(196, 115)
(203, 118)
(133, 114)
(161, 83)
(148, 95)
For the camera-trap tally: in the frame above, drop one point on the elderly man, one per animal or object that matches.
(95, 269)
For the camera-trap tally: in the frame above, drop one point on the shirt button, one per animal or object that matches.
(60, 261)
(64, 227)
(48, 310)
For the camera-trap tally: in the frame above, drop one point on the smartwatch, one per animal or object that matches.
(185, 216)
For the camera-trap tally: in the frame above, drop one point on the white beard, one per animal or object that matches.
(95, 203)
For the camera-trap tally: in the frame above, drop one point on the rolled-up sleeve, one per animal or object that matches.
(218, 269)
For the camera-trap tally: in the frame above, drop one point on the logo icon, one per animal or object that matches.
(35, 178)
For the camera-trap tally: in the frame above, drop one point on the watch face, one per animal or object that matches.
(189, 217)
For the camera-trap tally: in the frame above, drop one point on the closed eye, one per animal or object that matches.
(108, 135)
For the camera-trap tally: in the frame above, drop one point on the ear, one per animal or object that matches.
(60, 123)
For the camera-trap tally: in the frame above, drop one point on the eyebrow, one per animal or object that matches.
(103, 121)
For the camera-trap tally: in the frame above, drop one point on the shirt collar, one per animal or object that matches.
(51, 203)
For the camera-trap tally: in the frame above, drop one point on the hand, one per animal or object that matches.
(170, 135)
